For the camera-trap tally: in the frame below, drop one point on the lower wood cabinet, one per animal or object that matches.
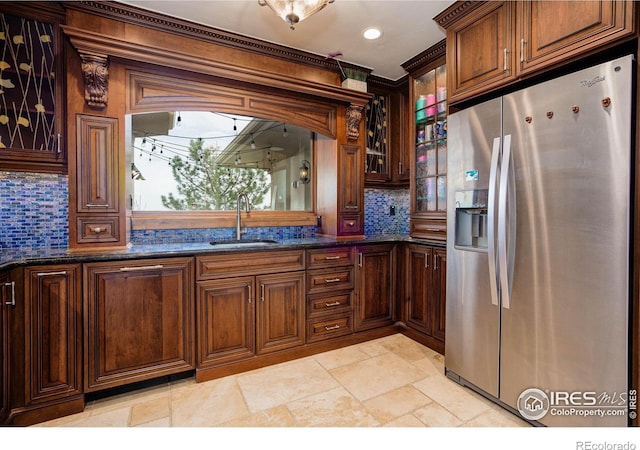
(241, 317)
(41, 343)
(5, 304)
(139, 320)
(375, 286)
(426, 282)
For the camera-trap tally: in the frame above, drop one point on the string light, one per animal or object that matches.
(253, 143)
(179, 120)
(284, 130)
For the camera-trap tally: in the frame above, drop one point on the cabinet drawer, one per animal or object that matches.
(325, 328)
(98, 229)
(330, 257)
(329, 304)
(350, 225)
(327, 280)
(433, 230)
(258, 263)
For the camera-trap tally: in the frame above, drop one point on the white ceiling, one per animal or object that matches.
(407, 25)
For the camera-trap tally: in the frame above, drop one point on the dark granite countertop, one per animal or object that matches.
(10, 258)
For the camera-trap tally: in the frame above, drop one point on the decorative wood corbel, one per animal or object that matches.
(354, 116)
(95, 73)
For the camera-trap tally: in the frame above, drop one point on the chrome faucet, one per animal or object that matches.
(247, 207)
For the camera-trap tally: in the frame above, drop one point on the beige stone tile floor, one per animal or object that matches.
(389, 382)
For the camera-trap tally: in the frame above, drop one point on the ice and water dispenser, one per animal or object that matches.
(471, 220)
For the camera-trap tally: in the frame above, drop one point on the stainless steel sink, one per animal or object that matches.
(243, 242)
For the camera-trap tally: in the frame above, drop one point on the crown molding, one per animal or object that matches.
(162, 22)
(434, 52)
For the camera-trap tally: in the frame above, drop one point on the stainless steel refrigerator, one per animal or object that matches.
(538, 258)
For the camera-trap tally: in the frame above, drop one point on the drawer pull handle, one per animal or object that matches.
(94, 205)
(332, 257)
(332, 304)
(12, 296)
(98, 230)
(332, 280)
(435, 230)
(133, 269)
(51, 274)
(351, 224)
(334, 327)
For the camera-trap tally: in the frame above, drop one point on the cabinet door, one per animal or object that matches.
(226, 320)
(32, 91)
(438, 294)
(5, 299)
(418, 311)
(53, 328)
(97, 177)
(375, 282)
(551, 32)
(139, 320)
(280, 321)
(480, 50)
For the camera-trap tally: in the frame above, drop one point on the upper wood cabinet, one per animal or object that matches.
(387, 156)
(551, 32)
(428, 92)
(492, 44)
(94, 218)
(32, 91)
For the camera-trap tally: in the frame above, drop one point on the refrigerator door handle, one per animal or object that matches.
(506, 223)
(491, 216)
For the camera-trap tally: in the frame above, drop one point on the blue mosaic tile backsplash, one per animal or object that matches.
(34, 210)
(34, 214)
(377, 206)
(148, 237)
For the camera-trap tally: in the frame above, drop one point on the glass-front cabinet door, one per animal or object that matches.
(431, 141)
(428, 94)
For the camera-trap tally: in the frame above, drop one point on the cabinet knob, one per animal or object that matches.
(351, 223)
(98, 230)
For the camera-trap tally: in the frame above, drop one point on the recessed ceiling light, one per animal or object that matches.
(372, 33)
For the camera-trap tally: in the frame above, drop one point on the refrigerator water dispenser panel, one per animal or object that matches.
(471, 220)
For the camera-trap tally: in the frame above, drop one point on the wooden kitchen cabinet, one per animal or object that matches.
(6, 300)
(428, 90)
(375, 281)
(387, 155)
(140, 320)
(53, 331)
(330, 291)
(95, 216)
(249, 304)
(31, 135)
(45, 349)
(492, 44)
(551, 32)
(426, 290)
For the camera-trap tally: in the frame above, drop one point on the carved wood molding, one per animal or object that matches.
(160, 92)
(456, 11)
(434, 52)
(158, 21)
(95, 73)
(354, 116)
(91, 43)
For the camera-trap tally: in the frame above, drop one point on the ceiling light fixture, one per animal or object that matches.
(294, 11)
(372, 33)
